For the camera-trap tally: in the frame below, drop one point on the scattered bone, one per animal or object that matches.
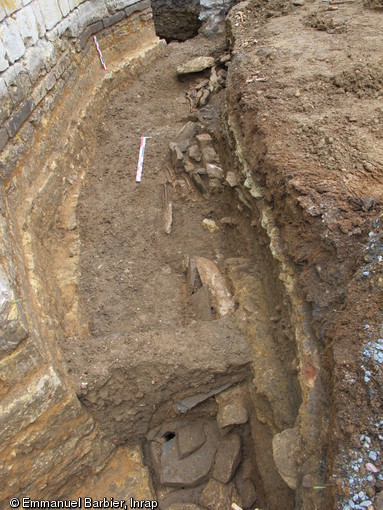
(168, 211)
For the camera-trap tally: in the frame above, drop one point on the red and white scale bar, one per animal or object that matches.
(99, 52)
(141, 158)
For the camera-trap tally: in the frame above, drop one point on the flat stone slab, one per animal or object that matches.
(227, 458)
(195, 65)
(285, 453)
(190, 438)
(193, 469)
(217, 495)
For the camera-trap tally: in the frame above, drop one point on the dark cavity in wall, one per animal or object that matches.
(176, 19)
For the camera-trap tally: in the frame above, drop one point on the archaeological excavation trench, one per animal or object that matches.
(172, 340)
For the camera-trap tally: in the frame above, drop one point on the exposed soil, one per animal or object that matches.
(305, 84)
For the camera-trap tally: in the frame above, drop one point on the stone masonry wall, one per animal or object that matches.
(38, 41)
(52, 90)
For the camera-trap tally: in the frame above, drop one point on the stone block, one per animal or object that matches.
(26, 23)
(34, 62)
(190, 438)
(12, 40)
(231, 408)
(192, 470)
(12, 6)
(41, 28)
(18, 83)
(50, 81)
(12, 324)
(285, 454)
(115, 18)
(23, 407)
(90, 12)
(227, 458)
(64, 7)
(117, 5)
(4, 64)
(19, 117)
(138, 6)
(216, 496)
(5, 101)
(51, 12)
(39, 92)
(16, 367)
(3, 138)
(61, 65)
(2, 12)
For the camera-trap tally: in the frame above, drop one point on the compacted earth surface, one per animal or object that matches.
(304, 81)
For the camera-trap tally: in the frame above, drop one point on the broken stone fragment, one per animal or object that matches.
(203, 100)
(209, 156)
(13, 327)
(190, 438)
(247, 492)
(194, 153)
(227, 458)
(225, 58)
(198, 182)
(285, 454)
(231, 179)
(214, 171)
(193, 469)
(186, 135)
(188, 166)
(217, 495)
(203, 140)
(177, 157)
(231, 408)
(210, 225)
(195, 65)
(215, 186)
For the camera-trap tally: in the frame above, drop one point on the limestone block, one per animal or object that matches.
(90, 12)
(18, 83)
(117, 5)
(21, 363)
(34, 62)
(227, 458)
(5, 101)
(26, 23)
(12, 326)
(41, 29)
(51, 12)
(64, 7)
(2, 12)
(22, 408)
(50, 53)
(285, 454)
(12, 40)
(3, 58)
(12, 6)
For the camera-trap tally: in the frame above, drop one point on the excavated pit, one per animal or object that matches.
(169, 315)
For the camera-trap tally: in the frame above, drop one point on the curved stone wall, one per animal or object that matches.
(52, 91)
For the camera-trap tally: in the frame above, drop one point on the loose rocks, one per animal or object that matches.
(195, 65)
